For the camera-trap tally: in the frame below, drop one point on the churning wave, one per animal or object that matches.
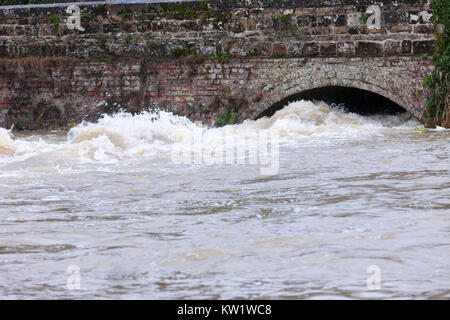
(152, 135)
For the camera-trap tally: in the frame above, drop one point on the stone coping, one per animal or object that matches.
(91, 3)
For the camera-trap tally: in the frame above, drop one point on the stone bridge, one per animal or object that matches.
(206, 59)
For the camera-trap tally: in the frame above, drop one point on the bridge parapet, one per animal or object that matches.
(251, 28)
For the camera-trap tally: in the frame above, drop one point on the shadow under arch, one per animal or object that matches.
(352, 99)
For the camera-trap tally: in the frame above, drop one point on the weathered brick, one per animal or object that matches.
(341, 30)
(369, 49)
(310, 49)
(341, 20)
(111, 27)
(406, 46)
(424, 46)
(303, 21)
(346, 49)
(392, 47)
(278, 50)
(4, 51)
(400, 29)
(324, 21)
(328, 49)
(7, 31)
(424, 28)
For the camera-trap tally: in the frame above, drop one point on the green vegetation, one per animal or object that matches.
(126, 14)
(183, 52)
(224, 57)
(142, 15)
(54, 19)
(196, 10)
(184, 11)
(103, 41)
(223, 17)
(294, 29)
(438, 109)
(85, 18)
(226, 120)
(21, 2)
(363, 18)
(238, 28)
(128, 39)
(286, 20)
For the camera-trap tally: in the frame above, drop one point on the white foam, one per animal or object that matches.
(154, 135)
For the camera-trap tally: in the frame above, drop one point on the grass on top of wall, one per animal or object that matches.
(21, 2)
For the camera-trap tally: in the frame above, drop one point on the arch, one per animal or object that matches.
(396, 79)
(354, 100)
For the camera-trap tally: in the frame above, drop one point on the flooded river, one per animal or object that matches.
(358, 207)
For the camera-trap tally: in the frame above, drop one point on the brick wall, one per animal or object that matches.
(207, 29)
(205, 59)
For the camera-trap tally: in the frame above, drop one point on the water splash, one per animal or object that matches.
(152, 135)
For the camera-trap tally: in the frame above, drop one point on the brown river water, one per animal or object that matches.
(357, 207)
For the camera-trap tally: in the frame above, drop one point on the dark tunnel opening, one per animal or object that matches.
(353, 100)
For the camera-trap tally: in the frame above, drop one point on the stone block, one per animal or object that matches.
(406, 46)
(346, 49)
(328, 49)
(369, 49)
(392, 47)
(424, 47)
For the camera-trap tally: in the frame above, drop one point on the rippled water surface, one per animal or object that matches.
(351, 192)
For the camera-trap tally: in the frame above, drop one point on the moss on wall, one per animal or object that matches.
(438, 109)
